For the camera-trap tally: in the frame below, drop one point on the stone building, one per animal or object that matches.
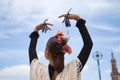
(115, 75)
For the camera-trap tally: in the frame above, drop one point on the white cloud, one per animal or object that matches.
(17, 72)
(14, 31)
(3, 35)
(96, 5)
(19, 11)
(106, 40)
(10, 53)
(31, 12)
(105, 27)
(41, 54)
(117, 49)
(108, 28)
(105, 74)
(107, 71)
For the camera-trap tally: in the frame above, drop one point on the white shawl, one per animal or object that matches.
(39, 71)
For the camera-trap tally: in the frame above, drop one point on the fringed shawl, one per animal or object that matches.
(39, 71)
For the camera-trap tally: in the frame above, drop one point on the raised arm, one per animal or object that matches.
(32, 47)
(33, 42)
(87, 46)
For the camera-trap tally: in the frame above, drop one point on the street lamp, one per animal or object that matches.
(98, 56)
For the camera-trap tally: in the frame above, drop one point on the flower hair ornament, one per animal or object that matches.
(62, 41)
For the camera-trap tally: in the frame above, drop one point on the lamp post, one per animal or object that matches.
(98, 56)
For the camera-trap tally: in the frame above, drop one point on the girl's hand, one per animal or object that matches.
(40, 26)
(70, 16)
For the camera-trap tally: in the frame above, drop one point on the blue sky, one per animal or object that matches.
(19, 17)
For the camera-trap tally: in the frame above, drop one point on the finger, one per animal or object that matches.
(64, 20)
(71, 16)
(48, 28)
(63, 15)
(49, 24)
(39, 26)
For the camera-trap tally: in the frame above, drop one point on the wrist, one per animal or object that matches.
(36, 29)
(80, 22)
(77, 18)
(34, 34)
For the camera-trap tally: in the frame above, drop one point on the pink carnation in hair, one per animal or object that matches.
(67, 49)
(62, 40)
(60, 37)
(59, 33)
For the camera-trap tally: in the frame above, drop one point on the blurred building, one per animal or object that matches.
(115, 75)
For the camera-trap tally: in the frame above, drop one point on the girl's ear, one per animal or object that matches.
(47, 54)
(49, 57)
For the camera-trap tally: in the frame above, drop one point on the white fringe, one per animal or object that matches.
(39, 71)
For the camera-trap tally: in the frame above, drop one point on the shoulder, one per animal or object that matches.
(71, 71)
(75, 62)
(37, 63)
(38, 68)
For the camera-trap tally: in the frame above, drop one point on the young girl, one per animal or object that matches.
(54, 52)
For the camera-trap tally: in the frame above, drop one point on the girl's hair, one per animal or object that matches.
(57, 46)
(53, 46)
